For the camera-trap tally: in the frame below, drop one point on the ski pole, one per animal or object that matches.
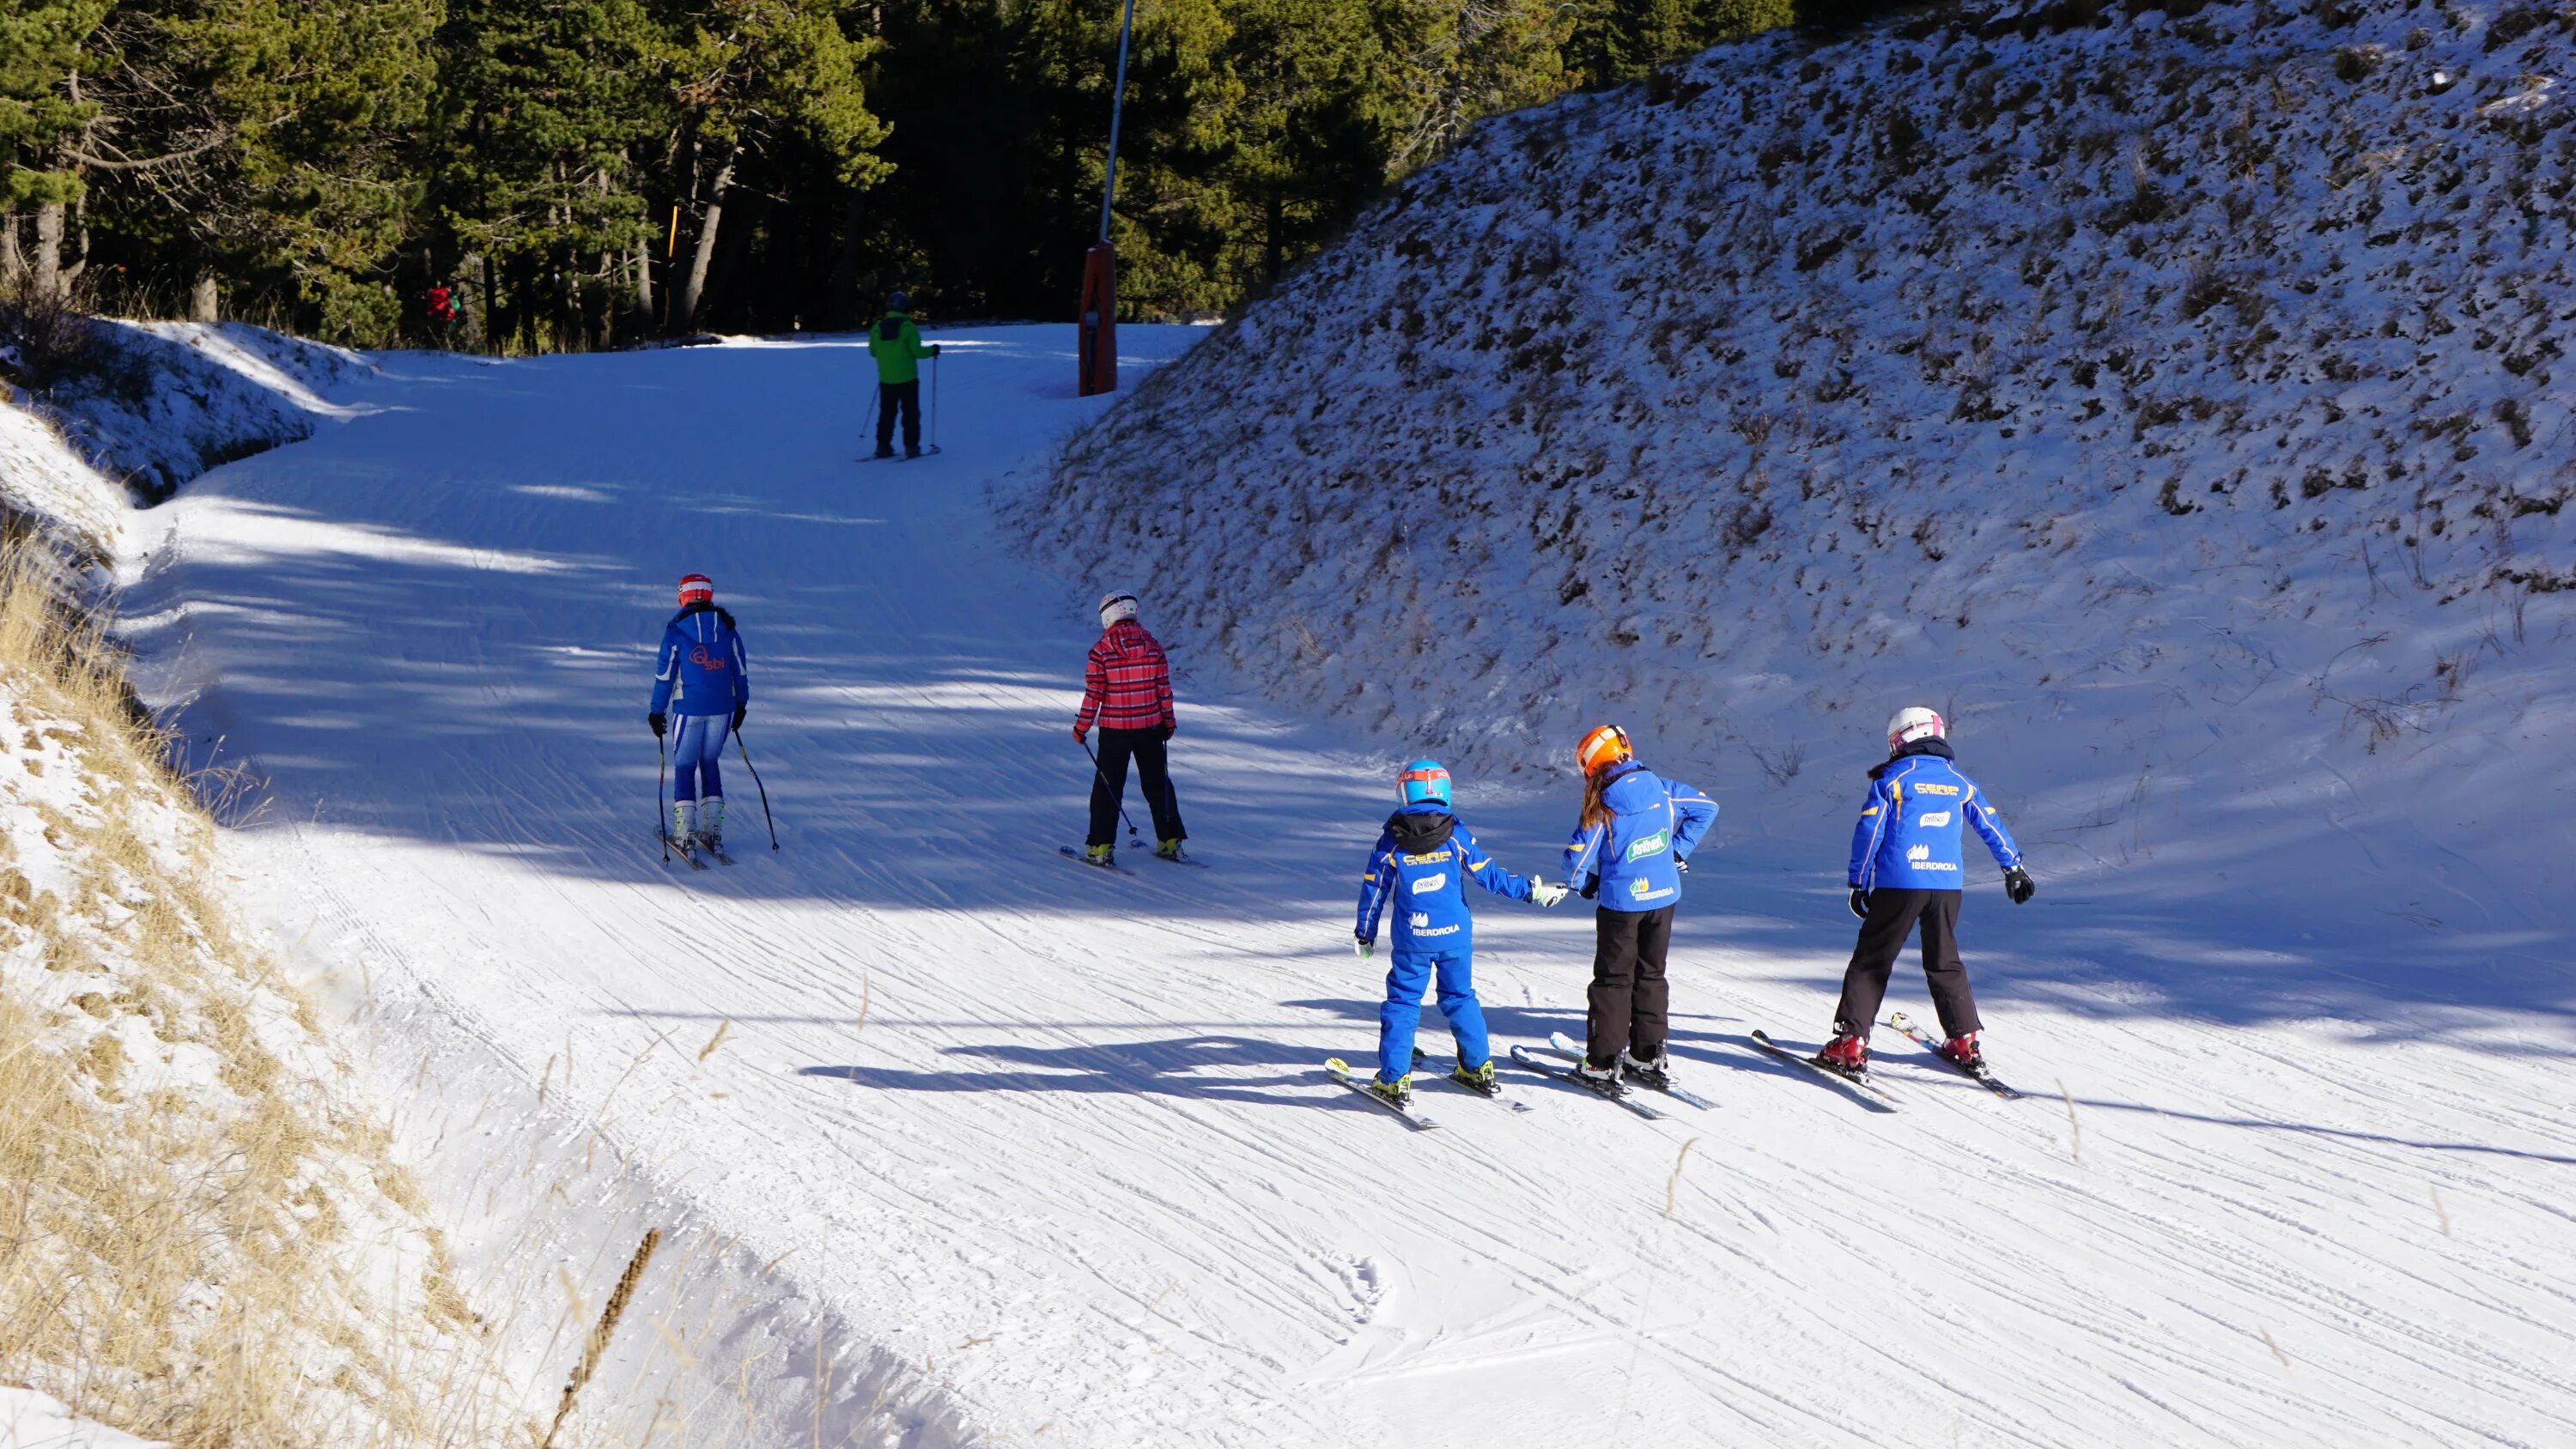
(868, 426)
(661, 777)
(934, 402)
(763, 789)
(1102, 776)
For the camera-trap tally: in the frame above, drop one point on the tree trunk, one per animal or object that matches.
(684, 308)
(644, 286)
(492, 333)
(49, 250)
(841, 307)
(13, 264)
(203, 301)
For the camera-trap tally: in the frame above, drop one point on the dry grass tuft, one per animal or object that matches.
(201, 1240)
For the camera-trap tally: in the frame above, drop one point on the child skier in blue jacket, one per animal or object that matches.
(1629, 851)
(703, 675)
(1905, 868)
(1423, 861)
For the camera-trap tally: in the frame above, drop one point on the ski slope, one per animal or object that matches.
(1057, 1142)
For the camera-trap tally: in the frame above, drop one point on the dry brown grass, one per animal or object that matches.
(196, 1224)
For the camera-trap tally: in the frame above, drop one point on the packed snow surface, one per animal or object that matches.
(1059, 1141)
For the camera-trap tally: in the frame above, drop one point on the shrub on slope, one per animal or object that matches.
(2170, 394)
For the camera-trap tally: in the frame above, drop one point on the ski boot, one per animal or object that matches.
(1847, 1054)
(1099, 855)
(1655, 1071)
(911, 452)
(1480, 1079)
(711, 825)
(884, 450)
(1399, 1092)
(1961, 1052)
(1602, 1080)
(684, 826)
(1168, 849)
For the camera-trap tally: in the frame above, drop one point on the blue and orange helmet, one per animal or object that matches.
(1423, 781)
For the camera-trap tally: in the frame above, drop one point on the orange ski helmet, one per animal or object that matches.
(1605, 746)
(696, 588)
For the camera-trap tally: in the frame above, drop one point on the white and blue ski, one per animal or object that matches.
(1868, 1093)
(1563, 1045)
(1981, 1074)
(1523, 1057)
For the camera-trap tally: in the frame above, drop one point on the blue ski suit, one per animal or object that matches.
(702, 675)
(1908, 836)
(1654, 824)
(1423, 861)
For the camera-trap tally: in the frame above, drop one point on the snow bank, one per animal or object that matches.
(2167, 397)
(30, 1420)
(155, 404)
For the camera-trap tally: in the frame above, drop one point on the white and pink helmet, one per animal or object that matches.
(1914, 722)
(697, 588)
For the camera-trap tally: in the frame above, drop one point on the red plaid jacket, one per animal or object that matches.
(1126, 684)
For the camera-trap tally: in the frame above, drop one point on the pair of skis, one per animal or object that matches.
(1562, 1046)
(1558, 1045)
(690, 854)
(1862, 1086)
(1079, 857)
(899, 457)
(1342, 1072)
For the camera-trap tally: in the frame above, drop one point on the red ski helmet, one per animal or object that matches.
(697, 589)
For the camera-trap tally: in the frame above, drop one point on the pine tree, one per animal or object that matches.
(42, 113)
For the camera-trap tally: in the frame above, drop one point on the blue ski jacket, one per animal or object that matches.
(702, 668)
(1654, 824)
(1423, 861)
(1908, 836)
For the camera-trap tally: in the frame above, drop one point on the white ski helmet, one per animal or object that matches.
(1914, 722)
(1116, 605)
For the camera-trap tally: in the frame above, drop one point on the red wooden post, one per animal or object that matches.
(1097, 342)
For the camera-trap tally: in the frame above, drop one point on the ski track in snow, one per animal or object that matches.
(1063, 1138)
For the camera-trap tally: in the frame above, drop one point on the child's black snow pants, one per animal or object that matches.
(1892, 917)
(1629, 998)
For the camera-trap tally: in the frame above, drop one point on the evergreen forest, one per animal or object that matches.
(578, 174)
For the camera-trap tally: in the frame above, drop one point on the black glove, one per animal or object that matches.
(1165, 734)
(934, 349)
(1681, 865)
(658, 722)
(739, 711)
(1591, 886)
(2018, 886)
(1860, 903)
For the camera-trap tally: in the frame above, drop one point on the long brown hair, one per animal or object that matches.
(1594, 811)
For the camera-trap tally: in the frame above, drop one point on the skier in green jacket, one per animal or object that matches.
(896, 345)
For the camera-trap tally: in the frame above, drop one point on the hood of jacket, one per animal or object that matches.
(704, 606)
(1632, 789)
(1416, 829)
(1126, 637)
(1937, 748)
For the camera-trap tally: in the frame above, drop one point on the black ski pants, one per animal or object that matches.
(1893, 914)
(1629, 999)
(904, 397)
(1153, 775)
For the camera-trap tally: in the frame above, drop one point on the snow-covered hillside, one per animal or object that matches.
(2175, 397)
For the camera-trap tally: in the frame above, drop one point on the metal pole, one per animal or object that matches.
(1117, 107)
